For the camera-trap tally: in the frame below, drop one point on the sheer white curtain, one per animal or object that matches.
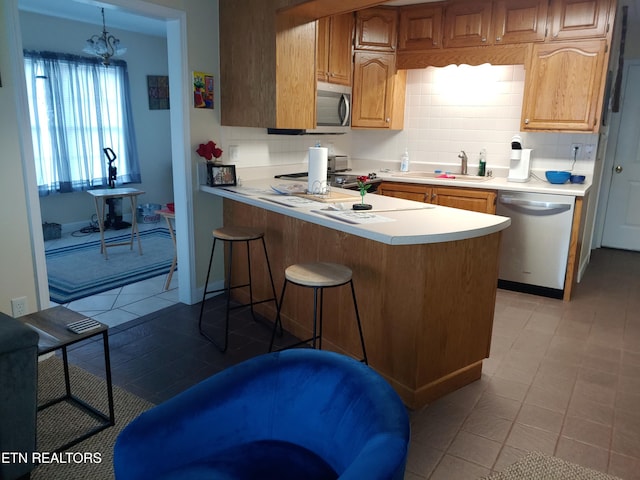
(79, 107)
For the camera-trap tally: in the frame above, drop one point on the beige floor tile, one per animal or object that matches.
(488, 426)
(507, 388)
(539, 417)
(624, 467)
(548, 398)
(502, 407)
(475, 449)
(597, 393)
(582, 407)
(529, 438)
(422, 459)
(583, 454)
(451, 467)
(508, 456)
(586, 431)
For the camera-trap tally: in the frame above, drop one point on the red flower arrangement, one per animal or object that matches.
(363, 186)
(209, 150)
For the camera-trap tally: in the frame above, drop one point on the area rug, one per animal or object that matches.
(538, 466)
(80, 271)
(63, 422)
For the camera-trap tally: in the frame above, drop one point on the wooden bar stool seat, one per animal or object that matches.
(232, 235)
(319, 275)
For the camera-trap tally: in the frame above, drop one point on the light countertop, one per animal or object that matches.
(392, 221)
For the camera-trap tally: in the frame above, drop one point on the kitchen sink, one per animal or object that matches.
(452, 176)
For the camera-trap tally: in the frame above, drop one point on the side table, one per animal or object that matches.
(100, 197)
(169, 216)
(51, 326)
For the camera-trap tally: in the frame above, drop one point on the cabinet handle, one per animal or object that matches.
(387, 120)
(526, 121)
(484, 39)
(498, 39)
(433, 196)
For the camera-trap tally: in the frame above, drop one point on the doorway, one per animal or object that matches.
(180, 140)
(622, 217)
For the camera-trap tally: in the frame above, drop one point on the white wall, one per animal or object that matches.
(146, 55)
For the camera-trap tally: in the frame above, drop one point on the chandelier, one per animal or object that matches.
(105, 45)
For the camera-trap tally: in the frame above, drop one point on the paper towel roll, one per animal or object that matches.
(318, 170)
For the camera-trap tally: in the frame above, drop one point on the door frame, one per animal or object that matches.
(609, 160)
(176, 24)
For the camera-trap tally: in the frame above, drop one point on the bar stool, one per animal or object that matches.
(232, 235)
(318, 276)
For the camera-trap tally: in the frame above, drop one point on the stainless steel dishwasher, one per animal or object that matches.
(535, 248)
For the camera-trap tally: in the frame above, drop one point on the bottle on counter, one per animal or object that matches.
(404, 161)
(482, 163)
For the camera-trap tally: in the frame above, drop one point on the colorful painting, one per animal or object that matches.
(202, 90)
(158, 87)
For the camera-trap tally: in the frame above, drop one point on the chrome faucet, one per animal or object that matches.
(463, 166)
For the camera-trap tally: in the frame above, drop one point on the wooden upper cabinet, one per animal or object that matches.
(467, 23)
(420, 27)
(334, 55)
(376, 29)
(573, 19)
(564, 86)
(519, 21)
(378, 91)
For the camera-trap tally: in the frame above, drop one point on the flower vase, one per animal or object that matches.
(362, 206)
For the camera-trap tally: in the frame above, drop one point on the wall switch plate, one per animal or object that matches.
(19, 306)
(576, 150)
(233, 153)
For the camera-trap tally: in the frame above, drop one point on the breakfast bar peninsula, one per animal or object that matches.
(425, 278)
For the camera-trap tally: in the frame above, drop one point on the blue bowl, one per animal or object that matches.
(577, 179)
(557, 176)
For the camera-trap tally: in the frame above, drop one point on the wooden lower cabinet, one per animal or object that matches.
(474, 199)
(426, 309)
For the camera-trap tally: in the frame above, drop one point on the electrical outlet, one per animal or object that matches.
(588, 151)
(19, 306)
(576, 150)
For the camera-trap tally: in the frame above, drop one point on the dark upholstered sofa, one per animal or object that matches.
(18, 395)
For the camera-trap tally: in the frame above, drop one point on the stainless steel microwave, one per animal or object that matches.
(333, 112)
(333, 108)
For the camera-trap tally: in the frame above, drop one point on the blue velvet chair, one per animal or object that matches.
(299, 414)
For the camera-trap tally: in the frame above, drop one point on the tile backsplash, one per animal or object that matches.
(447, 110)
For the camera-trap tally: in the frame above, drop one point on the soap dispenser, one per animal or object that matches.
(404, 161)
(482, 163)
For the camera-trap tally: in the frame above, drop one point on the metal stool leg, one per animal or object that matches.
(320, 320)
(206, 283)
(278, 321)
(273, 287)
(355, 306)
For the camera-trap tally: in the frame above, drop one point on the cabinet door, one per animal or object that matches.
(340, 64)
(483, 201)
(519, 21)
(408, 191)
(373, 89)
(420, 27)
(563, 86)
(467, 23)
(579, 19)
(322, 49)
(376, 29)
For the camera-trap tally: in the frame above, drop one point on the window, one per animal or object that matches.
(78, 108)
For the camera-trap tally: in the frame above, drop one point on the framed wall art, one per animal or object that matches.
(202, 90)
(158, 88)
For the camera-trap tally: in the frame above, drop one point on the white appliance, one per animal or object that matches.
(535, 247)
(520, 165)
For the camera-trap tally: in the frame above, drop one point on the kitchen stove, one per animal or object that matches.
(337, 179)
